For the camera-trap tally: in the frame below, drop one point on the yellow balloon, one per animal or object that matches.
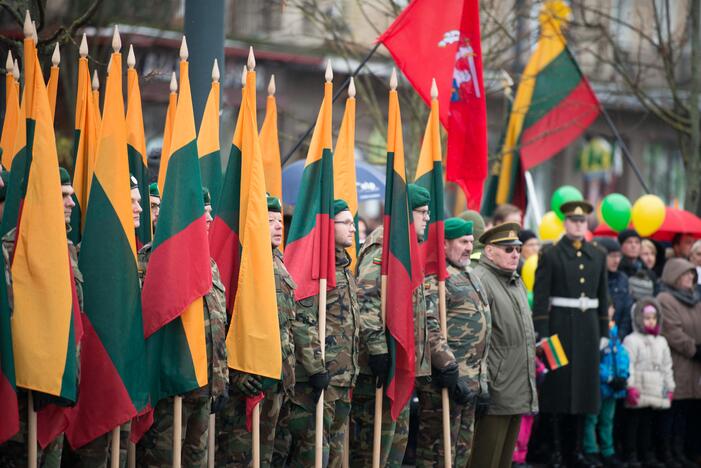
(528, 272)
(648, 215)
(551, 228)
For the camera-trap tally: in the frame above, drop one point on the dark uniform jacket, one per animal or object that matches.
(570, 272)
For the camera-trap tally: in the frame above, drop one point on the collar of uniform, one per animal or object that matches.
(277, 253)
(342, 257)
(509, 275)
(570, 249)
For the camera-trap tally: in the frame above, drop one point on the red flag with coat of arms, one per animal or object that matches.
(444, 43)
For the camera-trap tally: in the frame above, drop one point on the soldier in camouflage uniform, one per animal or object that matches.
(430, 347)
(156, 447)
(233, 438)
(468, 332)
(14, 451)
(341, 356)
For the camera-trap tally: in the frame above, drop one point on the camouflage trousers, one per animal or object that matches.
(155, 449)
(429, 444)
(234, 441)
(295, 443)
(96, 454)
(395, 434)
(14, 452)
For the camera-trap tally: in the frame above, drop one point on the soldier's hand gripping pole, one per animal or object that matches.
(444, 392)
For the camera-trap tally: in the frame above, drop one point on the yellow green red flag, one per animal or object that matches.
(208, 142)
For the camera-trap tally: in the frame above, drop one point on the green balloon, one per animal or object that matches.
(616, 211)
(564, 194)
(529, 295)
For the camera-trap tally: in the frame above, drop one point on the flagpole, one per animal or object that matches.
(319, 439)
(177, 430)
(31, 431)
(377, 422)
(114, 455)
(256, 435)
(211, 440)
(336, 95)
(447, 445)
(131, 455)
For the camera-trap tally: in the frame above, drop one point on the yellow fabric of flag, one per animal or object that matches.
(42, 311)
(253, 340)
(86, 125)
(208, 137)
(135, 118)
(52, 88)
(344, 180)
(270, 148)
(9, 125)
(167, 137)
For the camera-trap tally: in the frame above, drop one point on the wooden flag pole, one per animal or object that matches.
(211, 440)
(346, 447)
(319, 440)
(447, 445)
(114, 449)
(256, 436)
(31, 431)
(177, 430)
(377, 422)
(131, 455)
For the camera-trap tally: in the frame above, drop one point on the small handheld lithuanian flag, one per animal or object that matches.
(555, 355)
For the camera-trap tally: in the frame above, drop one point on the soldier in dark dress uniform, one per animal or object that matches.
(570, 300)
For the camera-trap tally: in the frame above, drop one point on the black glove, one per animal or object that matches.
(618, 383)
(697, 355)
(482, 405)
(248, 384)
(379, 365)
(446, 377)
(461, 394)
(319, 382)
(218, 403)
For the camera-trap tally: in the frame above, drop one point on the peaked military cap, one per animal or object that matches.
(65, 176)
(274, 204)
(457, 227)
(153, 190)
(502, 234)
(576, 209)
(134, 184)
(418, 196)
(339, 205)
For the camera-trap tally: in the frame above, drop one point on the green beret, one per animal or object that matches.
(477, 221)
(457, 227)
(65, 176)
(206, 197)
(274, 204)
(153, 190)
(134, 184)
(418, 196)
(5, 175)
(339, 205)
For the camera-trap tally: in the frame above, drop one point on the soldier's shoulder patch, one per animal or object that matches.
(377, 260)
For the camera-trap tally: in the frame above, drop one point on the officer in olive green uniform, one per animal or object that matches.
(570, 299)
(468, 332)
(341, 356)
(156, 446)
(430, 347)
(511, 357)
(14, 451)
(234, 442)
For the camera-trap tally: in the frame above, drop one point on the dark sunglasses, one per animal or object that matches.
(510, 248)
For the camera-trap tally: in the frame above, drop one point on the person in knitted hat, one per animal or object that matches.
(154, 196)
(478, 227)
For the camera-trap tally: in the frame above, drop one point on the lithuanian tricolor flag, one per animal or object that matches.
(401, 266)
(554, 103)
(309, 254)
(429, 175)
(112, 380)
(208, 141)
(136, 141)
(9, 424)
(179, 272)
(344, 186)
(45, 320)
(168, 130)
(270, 146)
(554, 354)
(9, 124)
(84, 143)
(253, 340)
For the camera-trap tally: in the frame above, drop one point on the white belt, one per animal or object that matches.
(582, 303)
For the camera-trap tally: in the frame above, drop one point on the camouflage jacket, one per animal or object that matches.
(342, 331)
(469, 323)
(284, 292)
(430, 347)
(305, 334)
(214, 324)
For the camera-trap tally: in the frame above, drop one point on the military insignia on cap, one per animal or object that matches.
(512, 233)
